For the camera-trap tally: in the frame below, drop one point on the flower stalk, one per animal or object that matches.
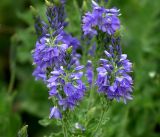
(105, 108)
(57, 58)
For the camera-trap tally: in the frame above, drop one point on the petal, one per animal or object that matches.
(55, 113)
(107, 54)
(101, 70)
(79, 68)
(53, 91)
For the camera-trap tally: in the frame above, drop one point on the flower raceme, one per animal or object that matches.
(50, 59)
(58, 64)
(55, 49)
(113, 75)
(105, 20)
(46, 56)
(66, 85)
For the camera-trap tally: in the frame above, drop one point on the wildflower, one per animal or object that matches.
(89, 72)
(41, 26)
(101, 0)
(54, 112)
(70, 41)
(113, 75)
(92, 50)
(105, 20)
(56, 16)
(66, 85)
(47, 55)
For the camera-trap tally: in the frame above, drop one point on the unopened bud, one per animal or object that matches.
(34, 10)
(69, 50)
(84, 6)
(48, 3)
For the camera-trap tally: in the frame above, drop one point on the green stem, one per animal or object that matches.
(12, 63)
(109, 3)
(64, 127)
(102, 115)
(100, 121)
(12, 79)
(90, 97)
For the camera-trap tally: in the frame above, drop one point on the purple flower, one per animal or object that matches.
(89, 23)
(39, 73)
(89, 72)
(41, 27)
(110, 24)
(69, 89)
(56, 19)
(66, 85)
(63, 1)
(56, 16)
(102, 19)
(101, 0)
(47, 55)
(75, 95)
(79, 68)
(113, 75)
(56, 61)
(70, 41)
(92, 50)
(55, 113)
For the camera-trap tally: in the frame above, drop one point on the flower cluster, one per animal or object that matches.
(56, 16)
(58, 65)
(105, 20)
(56, 19)
(53, 41)
(50, 59)
(71, 41)
(113, 75)
(57, 62)
(47, 55)
(66, 85)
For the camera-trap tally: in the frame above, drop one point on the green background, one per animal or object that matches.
(25, 101)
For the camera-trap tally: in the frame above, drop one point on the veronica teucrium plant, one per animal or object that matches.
(75, 89)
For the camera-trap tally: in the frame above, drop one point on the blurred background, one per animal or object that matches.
(25, 101)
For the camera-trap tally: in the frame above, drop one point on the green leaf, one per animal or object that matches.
(9, 120)
(23, 131)
(45, 122)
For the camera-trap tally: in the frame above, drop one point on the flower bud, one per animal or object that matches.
(48, 3)
(69, 50)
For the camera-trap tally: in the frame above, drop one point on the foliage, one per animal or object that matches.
(27, 102)
(23, 131)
